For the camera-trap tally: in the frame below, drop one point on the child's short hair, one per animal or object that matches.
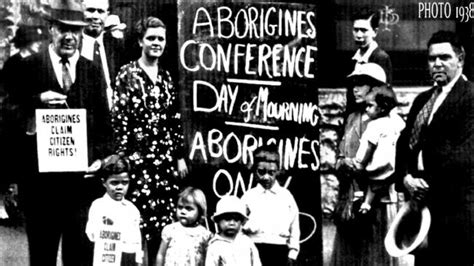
(266, 153)
(112, 165)
(199, 199)
(385, 98)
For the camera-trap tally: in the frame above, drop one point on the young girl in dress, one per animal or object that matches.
(184, 242)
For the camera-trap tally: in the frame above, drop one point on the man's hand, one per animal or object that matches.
(417, 187)
(53, 98)
(93, 168)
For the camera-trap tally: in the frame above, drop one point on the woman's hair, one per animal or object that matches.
(144, 24)
(385, 98)
(113, 165)
(198, 198)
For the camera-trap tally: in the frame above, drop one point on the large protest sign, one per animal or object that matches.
(247, 77)
(62, 140)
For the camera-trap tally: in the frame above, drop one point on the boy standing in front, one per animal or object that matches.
(113, 223)
(273, 221)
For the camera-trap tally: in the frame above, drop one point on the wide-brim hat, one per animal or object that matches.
(68, 12)
(230, 204)
(409, 230)
(371, 70)
(26, 34)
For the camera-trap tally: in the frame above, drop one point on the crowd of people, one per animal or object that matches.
(427, 157)
(134, 187)
(130, 205)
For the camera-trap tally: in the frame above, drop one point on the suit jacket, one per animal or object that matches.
(87, 92)
(115, 53)
(448, 146)
(380, 57)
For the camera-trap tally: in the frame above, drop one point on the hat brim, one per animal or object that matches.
(120, 26)
(217, 215)
(70, 22)
(399, 241)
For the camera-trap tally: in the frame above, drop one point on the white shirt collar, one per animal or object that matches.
(365, 58)
(56, 59)
(88, 45)
(57, 66)
(112, 201)
(276, 187)
(447, 88)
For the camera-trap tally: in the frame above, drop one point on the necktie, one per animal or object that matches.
(422, 118)
(66, 76)
(97, 58)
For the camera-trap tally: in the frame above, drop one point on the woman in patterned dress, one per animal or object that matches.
(147, 129)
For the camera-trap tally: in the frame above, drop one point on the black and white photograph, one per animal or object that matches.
(236, 133)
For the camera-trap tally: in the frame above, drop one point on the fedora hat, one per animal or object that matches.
(371, 70)
(409, 230)
(68, 12)
(112, 22)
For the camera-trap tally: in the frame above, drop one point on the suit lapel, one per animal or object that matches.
(452, 99)
(53, 85)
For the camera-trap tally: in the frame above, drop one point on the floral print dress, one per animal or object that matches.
(147, 129)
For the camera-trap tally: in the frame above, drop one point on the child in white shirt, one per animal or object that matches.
(376, 153)
(113, 223)
(273, 222)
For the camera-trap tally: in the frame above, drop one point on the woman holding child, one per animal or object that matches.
(367, 199)
(147, 129)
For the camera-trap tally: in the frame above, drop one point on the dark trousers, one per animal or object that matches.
(152, 247)
(128, 259)
(56, 208)
(273, 255)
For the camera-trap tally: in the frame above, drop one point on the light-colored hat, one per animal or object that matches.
(68, 12)
(372, 70)
(113, 22)
(408, 231)
(230, 204)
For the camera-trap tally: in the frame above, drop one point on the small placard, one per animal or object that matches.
(107, 248)
(62, 140)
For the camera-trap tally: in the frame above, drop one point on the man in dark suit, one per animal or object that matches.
(364, 30)
(99, 45)
(435, 155)
(56, 203)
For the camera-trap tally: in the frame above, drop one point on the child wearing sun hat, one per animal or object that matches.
(231, 247)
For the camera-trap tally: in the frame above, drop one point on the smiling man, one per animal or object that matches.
(435, 154)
